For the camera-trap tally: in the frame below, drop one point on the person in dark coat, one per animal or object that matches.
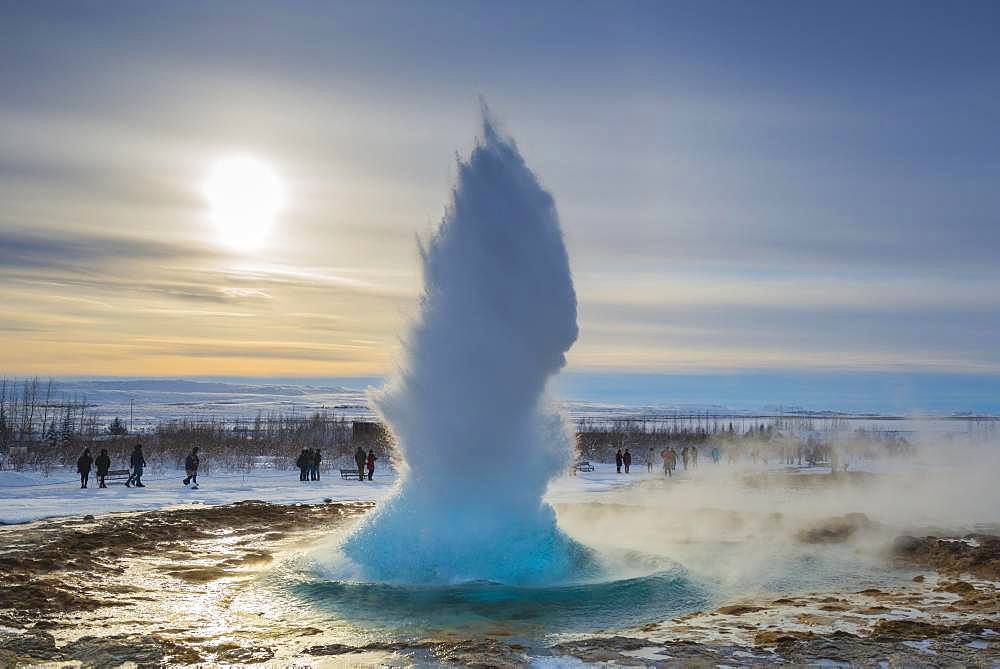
(627, 460)
(371, 464)
(138, 463)
(360, 459)
(83, 464)
(103, 464)
(314, 466)
(303, 464)
(619, 460)
(191, 464)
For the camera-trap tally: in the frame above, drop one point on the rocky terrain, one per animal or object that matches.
(176, 587)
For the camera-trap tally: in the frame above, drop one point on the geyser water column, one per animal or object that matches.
(478, 441)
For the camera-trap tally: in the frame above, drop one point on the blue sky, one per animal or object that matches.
(800, 187)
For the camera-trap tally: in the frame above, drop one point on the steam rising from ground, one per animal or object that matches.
(752, 529)
(479, 447)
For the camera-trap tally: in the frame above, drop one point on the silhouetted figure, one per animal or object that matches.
(649, 461)
(685, 456)
(371, 463)
(619, 460)
(314, 466)
(103, 464)
(83, 464)
(360, 458)
(694, 456)
(138, 463)
(627, 460)
(191, 463)
(302, 463)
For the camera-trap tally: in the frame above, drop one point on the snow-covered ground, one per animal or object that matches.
(147, 402)
(28, 496)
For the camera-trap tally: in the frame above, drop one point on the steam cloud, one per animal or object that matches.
(478, 440)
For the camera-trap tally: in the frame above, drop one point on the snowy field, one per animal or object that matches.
(150, 402)
(28, 496)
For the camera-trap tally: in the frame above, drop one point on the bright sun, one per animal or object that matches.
(245, 196)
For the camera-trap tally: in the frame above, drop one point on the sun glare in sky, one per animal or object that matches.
(245, 197)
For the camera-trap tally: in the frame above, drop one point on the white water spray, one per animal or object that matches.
(467, 407)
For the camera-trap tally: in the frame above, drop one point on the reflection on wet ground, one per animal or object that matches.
(175, 586)
(233, 585)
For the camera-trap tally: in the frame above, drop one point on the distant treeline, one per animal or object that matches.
(41, 430)
(789, 441)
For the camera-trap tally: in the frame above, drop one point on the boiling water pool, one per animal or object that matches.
(648, 589)
(636, 589)
(520, 611)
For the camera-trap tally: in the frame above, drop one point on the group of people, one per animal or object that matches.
(308, 464)
(623, 460)
(688, 457)
(86, 461)
(309, 459)
(137, 464)
(365, 462)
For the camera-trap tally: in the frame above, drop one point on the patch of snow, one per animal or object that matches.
(556, 662)
(30, 496)
(652, 653)
(923, 646)
(968, 541)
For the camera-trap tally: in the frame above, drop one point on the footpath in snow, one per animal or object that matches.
(28, 496)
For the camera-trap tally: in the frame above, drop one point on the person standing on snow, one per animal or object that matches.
(191, 463)
(138, 463)
(360, 459)
(619, 460)
(669, 461)
(303, 464)
(627, 460)
(103, 464)
(314, 465)
(83, 464)
(371, 463)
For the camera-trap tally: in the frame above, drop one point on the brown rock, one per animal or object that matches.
(739, 609)
(956, 587)
(835, 530)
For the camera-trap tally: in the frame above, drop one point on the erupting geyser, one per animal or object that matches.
(468, 407)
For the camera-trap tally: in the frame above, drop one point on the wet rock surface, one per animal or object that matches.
(895, 646)
(71, 577)
(60, 567)
(976, 554)
(94, 592)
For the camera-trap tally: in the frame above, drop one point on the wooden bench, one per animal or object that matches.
(348, 474)
(584, 467)
(117, 475)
